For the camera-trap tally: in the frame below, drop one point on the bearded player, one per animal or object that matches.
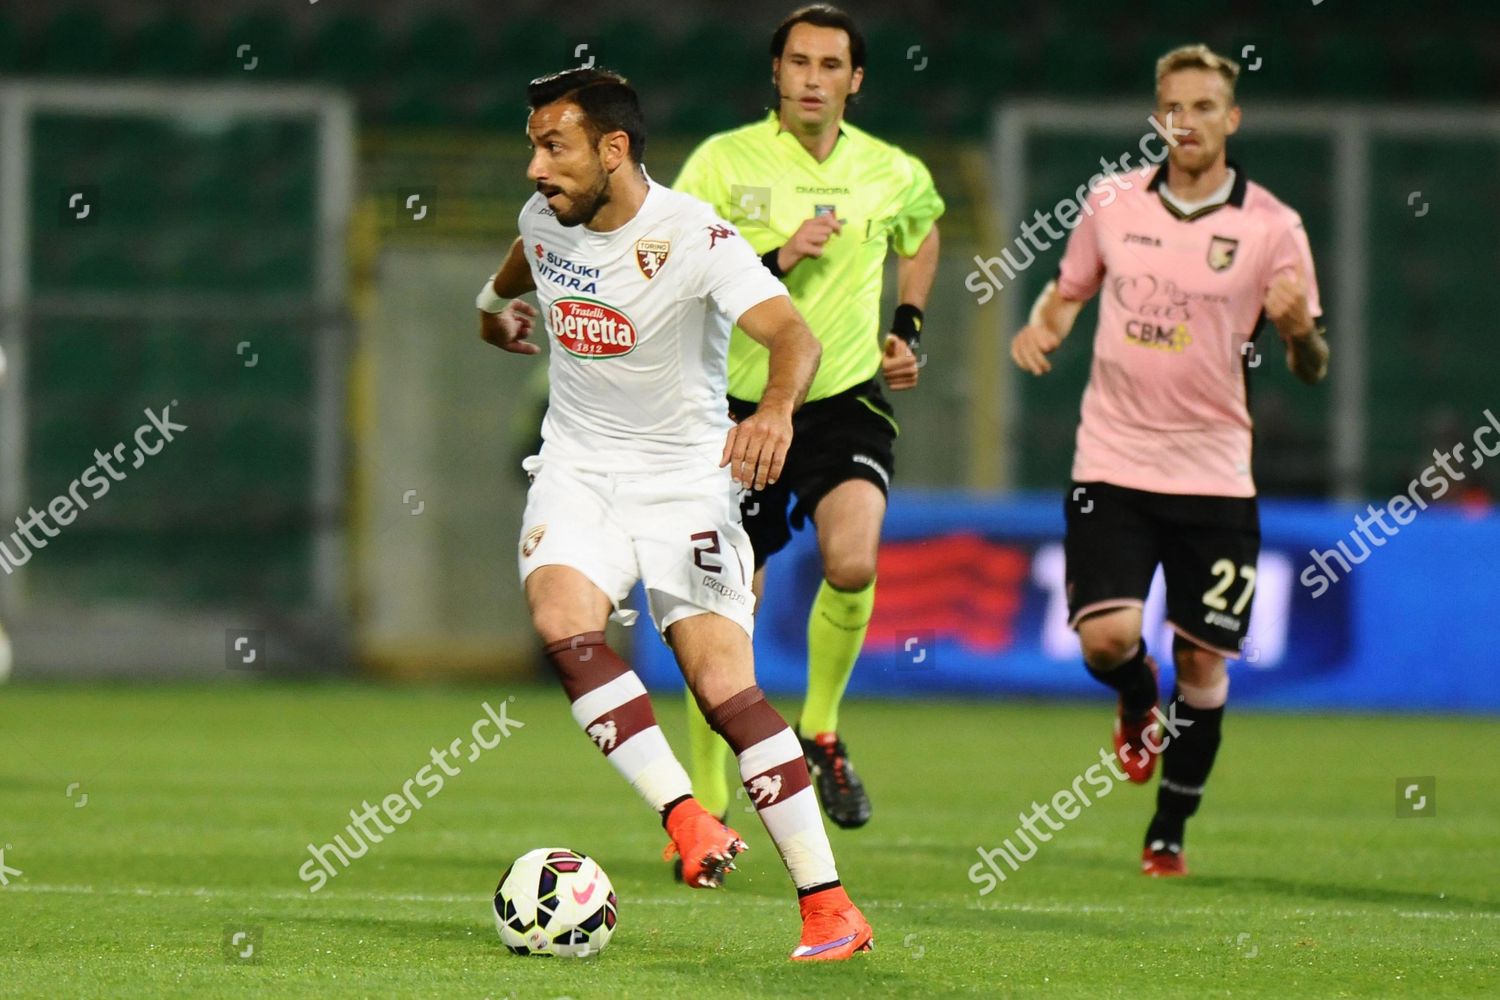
(639, 286)
(824, 203)
(1189, 265)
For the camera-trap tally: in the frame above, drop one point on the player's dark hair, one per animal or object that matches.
(608, 102)
(822, 15)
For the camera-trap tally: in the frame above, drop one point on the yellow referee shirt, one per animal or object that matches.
(761, 179)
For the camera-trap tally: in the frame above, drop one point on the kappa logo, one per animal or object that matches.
(765, 788)
(650, 255)
(604, 734)
(589, 329)
(719, 232)
(533, 537)
(1221, 250)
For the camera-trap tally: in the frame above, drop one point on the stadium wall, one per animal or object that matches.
(971, 603)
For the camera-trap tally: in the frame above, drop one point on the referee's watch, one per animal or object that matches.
(907, 324)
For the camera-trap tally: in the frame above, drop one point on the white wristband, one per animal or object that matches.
(487, 300)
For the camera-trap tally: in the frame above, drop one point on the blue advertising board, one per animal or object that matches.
(971, 602)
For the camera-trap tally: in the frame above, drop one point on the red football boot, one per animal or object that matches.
(707, 846)
(833, 929)
(1135, 755)
(1158, 860)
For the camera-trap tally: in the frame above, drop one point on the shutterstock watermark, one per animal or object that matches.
(1321, 574)
(65, 507)
(1069, 803)
(983, 280)
(400, 806)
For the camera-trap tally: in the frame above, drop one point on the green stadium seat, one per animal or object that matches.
(270, 51)
(438, 46)
(168, 47)
(71, 357)
(420, 104)
(286, 356)
(503, 105)
(61, 444)
(348, 49)
(987, 64)
(78, 41)
(530, 47)
(96, 263)
(132, 195)
(176, 355)
(628, 46)
(703, 117)
(703, 63)
(1074, 64)
(10, 44)
(277, 269)
(1347, 66)
(887, 45)
(1439, 69)
(201, 264)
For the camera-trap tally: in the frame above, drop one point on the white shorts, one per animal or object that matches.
(678, 532)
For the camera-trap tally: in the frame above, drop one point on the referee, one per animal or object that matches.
(823, 202)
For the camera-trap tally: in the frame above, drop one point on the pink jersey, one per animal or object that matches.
(1165, 409)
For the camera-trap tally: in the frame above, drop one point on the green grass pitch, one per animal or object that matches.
(201, 801)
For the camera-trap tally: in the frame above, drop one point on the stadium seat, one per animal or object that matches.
(700, 117)
(1438, 69)
(1075, 64)
(168, 47)
(130, 194)
(1347, 65)
(202, 264)
(348, 49)
(71, 357)
(421, 103)
(705, 65)
(281, 269)
(78, 41)
(502, 106)
(628, 46)
(993, 60)
(530, 46)
(438, 46)
(94, 262)
(10, 44)
(270, 49)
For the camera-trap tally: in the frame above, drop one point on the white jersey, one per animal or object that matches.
(638, 324)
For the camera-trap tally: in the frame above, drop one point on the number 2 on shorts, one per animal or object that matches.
(712, 548)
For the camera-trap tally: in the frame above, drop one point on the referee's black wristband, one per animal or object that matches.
(907, 324)
(769, 258)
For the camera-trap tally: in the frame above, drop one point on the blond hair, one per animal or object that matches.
(1198, 56)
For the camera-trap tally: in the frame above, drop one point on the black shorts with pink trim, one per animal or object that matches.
(1207, 547)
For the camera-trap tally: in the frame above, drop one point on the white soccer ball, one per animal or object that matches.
(553, 901)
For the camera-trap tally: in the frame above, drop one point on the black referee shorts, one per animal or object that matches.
(1207, 547)
(850, 435)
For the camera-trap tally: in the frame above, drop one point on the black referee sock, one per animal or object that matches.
(1185, 765)
(1133, 680)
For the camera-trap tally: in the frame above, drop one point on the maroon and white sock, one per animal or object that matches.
(611, 704)
(775, 776)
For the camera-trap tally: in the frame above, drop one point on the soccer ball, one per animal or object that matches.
(553, 901)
